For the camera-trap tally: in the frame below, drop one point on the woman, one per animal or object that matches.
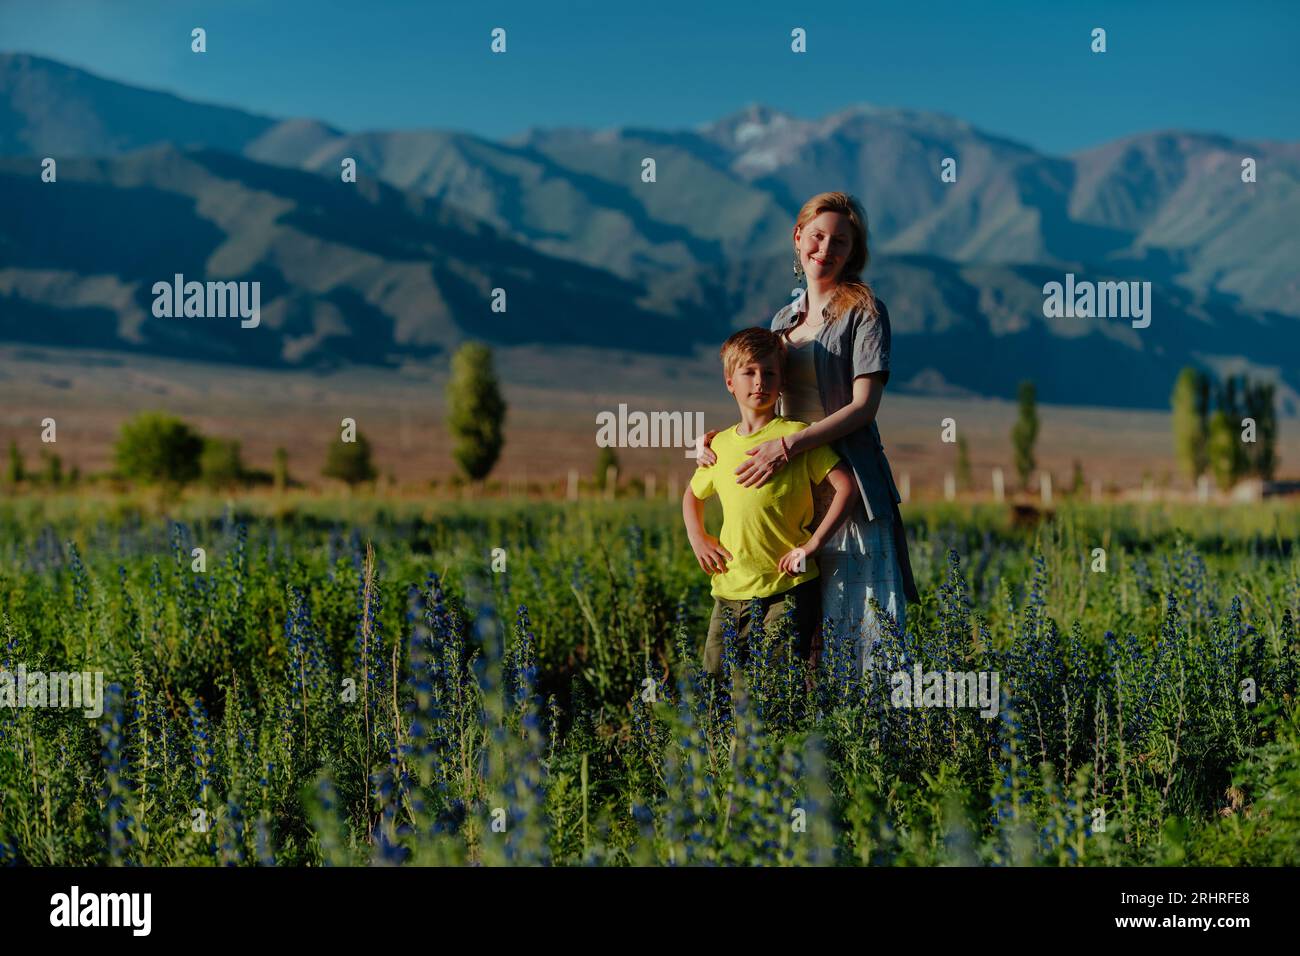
(837, 336)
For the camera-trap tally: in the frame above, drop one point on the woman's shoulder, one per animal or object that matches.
(871, 322)
(877, 312)
(859, 315)
(785, 315)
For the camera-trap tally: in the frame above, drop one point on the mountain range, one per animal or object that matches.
(403, 262)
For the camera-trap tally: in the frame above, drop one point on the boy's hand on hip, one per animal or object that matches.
(713, 557)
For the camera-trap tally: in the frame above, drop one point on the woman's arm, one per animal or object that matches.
(858, 413)
(846, 489)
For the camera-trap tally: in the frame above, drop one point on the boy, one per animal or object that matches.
(765, 549)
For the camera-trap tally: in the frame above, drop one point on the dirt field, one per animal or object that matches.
(551, 425)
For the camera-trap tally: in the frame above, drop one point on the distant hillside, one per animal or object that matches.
(365, 273)
(979, 330)
(49, 109)
(356, 272)
(402, 263)
(1169, 205)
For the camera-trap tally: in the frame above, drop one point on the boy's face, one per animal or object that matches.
(756, 383)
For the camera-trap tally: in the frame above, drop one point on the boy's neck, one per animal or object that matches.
(751, 421)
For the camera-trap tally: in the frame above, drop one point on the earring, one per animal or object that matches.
(798, 268)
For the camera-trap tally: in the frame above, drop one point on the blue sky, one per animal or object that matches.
(1022, 70)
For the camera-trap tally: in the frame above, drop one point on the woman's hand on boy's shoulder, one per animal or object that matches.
(706, 456)
(763, 462)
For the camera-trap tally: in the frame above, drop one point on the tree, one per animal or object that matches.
(15, 472)
(1191, 402)
(1227, 399)
(220, 463)
(1076, 482)
(605, 460)
(963, 464)
(280, 470)
(1025, 432)
(158, 447)
(53, 469)
(1262, 457)
(1224, 450)
(475, 411)
(350, 461)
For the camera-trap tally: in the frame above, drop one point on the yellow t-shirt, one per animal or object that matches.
(760, 524)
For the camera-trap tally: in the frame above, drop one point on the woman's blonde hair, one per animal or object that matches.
(850, 290)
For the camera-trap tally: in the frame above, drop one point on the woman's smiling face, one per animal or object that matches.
(823, 245)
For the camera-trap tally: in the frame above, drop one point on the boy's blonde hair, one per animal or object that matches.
(752, 345)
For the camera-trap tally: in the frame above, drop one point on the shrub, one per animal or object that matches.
(157, 447)
(350, 461)
(220, 464)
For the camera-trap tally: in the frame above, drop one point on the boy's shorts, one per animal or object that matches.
(807, 602)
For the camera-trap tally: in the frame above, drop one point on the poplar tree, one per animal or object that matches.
(1190, 403)
(1224, 450)
(1261, 407)
(606, 459)
(15, 471)
(1025, 432)
(475, 411)
(280, 469)
(963, 464)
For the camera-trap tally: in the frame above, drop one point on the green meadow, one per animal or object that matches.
(297, 680)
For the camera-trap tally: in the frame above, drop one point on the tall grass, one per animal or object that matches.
(353, 682)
